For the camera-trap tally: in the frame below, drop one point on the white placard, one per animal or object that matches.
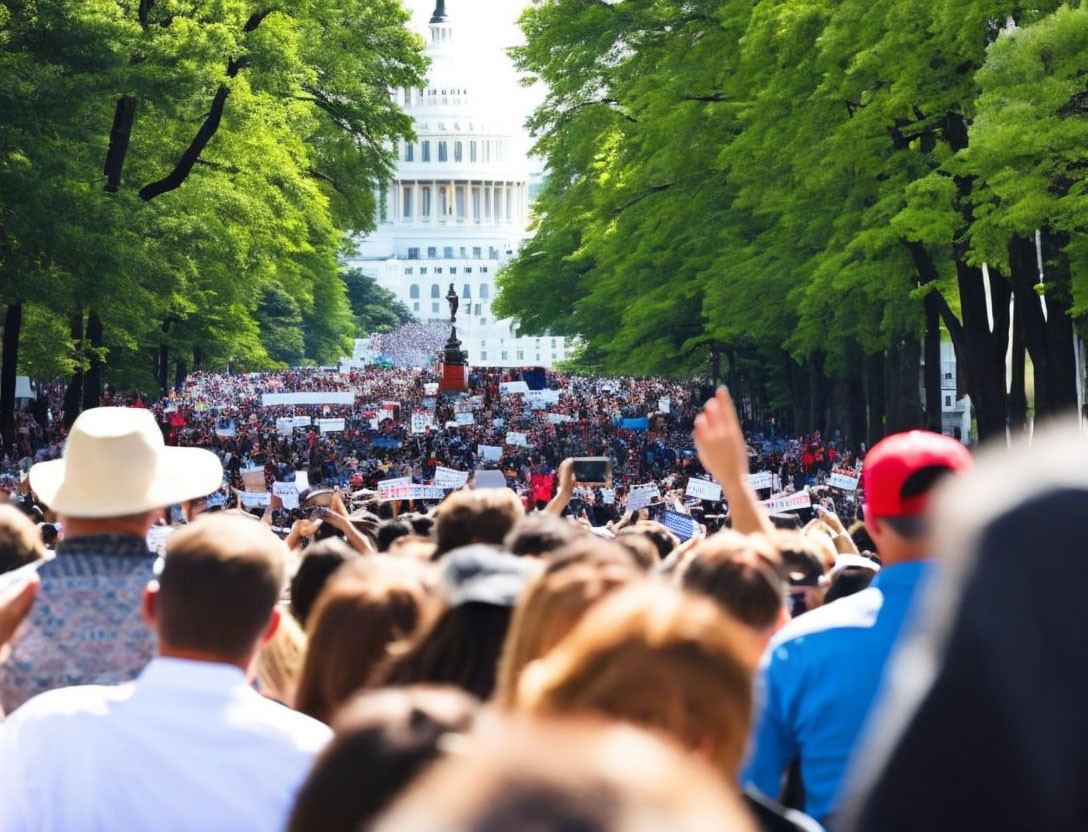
(449, 478)
(760, 481)
(559, 418)
(413, 491)
(492, 453)
(430, 388)
(517, 439)
(157, 537)
(641, 496)
(464, 419)
(703, 489)
(255, 499)
(302, 481)
(514, 388)
(330, 425)
(789, 502)
(303, 421)
(388, 487)
(288, 494)
(285, 426)
(306, 398)
(608, 496)
(490, 479)
(664, 404)
(421, 420)
(843, 480)
(539, 399)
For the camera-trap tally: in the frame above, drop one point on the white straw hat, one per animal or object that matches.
(116, 463)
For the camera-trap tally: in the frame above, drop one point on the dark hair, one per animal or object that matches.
(484, 516)
(319, 561)
(390, 530)
(220, 581)
(743, 581)
(20, 540)
(664, 540)
(461, 648)
(848, 581)
(384, 738)
(861, 537)
(538, 534)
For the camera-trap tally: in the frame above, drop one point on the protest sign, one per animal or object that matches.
(498, 423)
(413, 491)
(225, 428)
(330, 425)
(253, 478)
(490, 479)
(539, 399)
(302, 481)
(430, 388)
(843, 480)
(421, 420)
(517, 439)
(303, 421)
(315, 397)
(514, 388)
(559, 418)
(608, 496)
(288, 494)
(255, 499)
(788, 502)
(641, 496)
(449, 478)
(489, 452)
(682, 525)
(664, 404)
(464, 419)
(760, 481)
(285, 426)
(703, 489)
(387, 487)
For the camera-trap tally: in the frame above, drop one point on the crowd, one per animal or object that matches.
(829, 642)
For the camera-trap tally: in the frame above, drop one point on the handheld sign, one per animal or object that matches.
(288, 494)
(517, 439)
(760, 481)
(843, 480)
(492, 453)
(788, 502)
(703, 489)
(682, 525)
(449, 478)
(641, 496)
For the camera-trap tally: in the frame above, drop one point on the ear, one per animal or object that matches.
(150, 604)
(272, 627)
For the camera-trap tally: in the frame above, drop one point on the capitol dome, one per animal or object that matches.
(458, 206)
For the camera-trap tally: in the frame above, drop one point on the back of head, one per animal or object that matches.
(319, 561)
(664, 540)
(741, 573)
(658, 657)
(20, 541)
(390, 530)
(482, 516)
(384, 739)
(220, 581)
(539, 534)
(365, 607)
(566, 776)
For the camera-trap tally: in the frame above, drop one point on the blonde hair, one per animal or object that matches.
(656, 657)
(280, 662)
(550, 608)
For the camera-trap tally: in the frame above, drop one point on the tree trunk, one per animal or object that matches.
(874, 395)
(198, 358)
(181, 372)
(904, 402)
(932, 354)
(1018, 399)
(162, 369)
(13, 324)
(1059, 322)
(92, 381)
(985, 349)
(73, 396)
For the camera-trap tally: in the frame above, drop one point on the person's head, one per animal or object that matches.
(319, 561)
(365, 607)
(215, 599)
(551, 606)
(20, 541)
(484, 515)
(384, 738)
(279, 664)
(539, 534)
(390, 530)
(803, 569)
(567, 776)
(742, 573)
(658, 657)
(117, 474)
(664, 540)
(899, 475)
(462, 646)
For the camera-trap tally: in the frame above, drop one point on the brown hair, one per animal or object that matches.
(550, 608)
(657, 657)
(220, 581)
(384, 738)
(483, 516)
(280, 662)
(20, 541)
(741, 573)
(365, 607)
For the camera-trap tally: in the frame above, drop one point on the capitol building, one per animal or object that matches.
(457, 208)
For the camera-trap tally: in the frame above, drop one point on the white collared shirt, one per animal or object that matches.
(187, 746)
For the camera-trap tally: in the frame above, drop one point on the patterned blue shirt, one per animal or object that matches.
(86, 625)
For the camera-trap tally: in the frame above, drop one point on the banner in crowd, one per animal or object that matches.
(430, 388)
(449, 478)
(559, 418)
(539, 399)
(514, 388)
(288, 494)
(664, 404)
(761, 481)
(412, 491)
(286, 425)
(490, 478)
(330, 425)
(303, 421)
(682, 525)
(387, 487)
(843, 480)
(788, 502)
(306, 398)
(517, 439)
(225, 428)
(641, 496)
(255, 499)
(421, 420)
(608, 496)
(703, 489)
(492, 453)
(633, 424)
(464, 419)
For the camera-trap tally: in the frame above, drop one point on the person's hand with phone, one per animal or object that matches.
(565, 489)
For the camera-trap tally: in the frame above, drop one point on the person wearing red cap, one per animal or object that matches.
(822, 672)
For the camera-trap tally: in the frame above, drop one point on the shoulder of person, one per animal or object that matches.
(305, 732)
(852, 612)
(64, 703)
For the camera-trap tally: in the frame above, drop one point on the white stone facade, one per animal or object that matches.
(457, 210)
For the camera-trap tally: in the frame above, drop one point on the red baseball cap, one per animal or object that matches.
(893, 460)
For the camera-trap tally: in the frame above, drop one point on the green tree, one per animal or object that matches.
(374, 308)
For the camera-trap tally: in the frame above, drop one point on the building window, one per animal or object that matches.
(483, 321)
(466, 292)
(504, 355)
(425, 152)
(435, 291)
(457, 151)
(460, 192)
(463, 250)
(472, 151)
(483, 356)
(422, 269)
(477, 309)
(409, 152)
(554, 356)
(432, 252)
(438, 270)
(476, 203)
(948, 401)
(468, 269)
(383, 204)
(434, 308)
(485, 291)
(553, 343)
(407, 202)
(453, 270)
(521, 355)
(447, 252)
(443, 207)
(483, 269)
(413, 291)
(426, 202)
(477, 252)
(413, 254)
(442, 152)
(409, 270)
(538, 356)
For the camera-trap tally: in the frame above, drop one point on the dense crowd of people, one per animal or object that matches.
(317, 600)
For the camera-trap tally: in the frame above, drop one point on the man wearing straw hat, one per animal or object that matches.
(115, 478)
